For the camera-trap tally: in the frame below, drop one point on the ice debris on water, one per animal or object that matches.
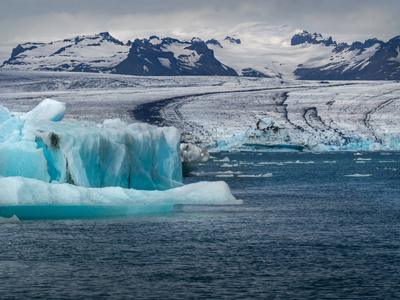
(47, 162)
(225, 165)
(224, 175)
(192, 156)
(267, 175)
(358, 175)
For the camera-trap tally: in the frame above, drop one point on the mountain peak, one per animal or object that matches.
(264, 52)
(311, 38)
(233, 40)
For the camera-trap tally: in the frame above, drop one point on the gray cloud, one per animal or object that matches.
(46, 20)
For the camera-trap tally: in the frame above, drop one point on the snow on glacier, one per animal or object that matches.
(48, 162)
(321, 116)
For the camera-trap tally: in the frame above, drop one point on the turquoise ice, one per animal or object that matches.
(47, 165)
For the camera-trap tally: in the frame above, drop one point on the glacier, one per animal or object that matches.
(222, 112)
(269, 135)
(47, 164)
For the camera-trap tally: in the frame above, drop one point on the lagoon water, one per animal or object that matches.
(322, 226)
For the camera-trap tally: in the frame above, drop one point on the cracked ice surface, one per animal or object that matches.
(224, 111)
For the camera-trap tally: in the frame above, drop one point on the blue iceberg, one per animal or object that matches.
(53, 168)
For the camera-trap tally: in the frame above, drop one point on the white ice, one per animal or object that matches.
(192, 156)
(223, 112)
(31, 198)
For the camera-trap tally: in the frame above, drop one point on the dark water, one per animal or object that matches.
(308, 232)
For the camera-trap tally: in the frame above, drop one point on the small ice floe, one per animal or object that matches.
(225, 159)
(230, 172)
(391, 169)
(224, 175)
(330, 162)
(358, 153)
(271, 163)
(245, 163)
(229, 165)
(299, 162)
(362, 160)
(387, 161)
(267, 175)
(358, 175)
(13, 219)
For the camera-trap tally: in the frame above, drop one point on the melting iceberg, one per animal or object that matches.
(191, 156)
(49, 167)
(31, 198)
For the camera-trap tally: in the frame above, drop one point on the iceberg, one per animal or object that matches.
(39, 145)
(191, 157)
(113, 168)
(29, 198)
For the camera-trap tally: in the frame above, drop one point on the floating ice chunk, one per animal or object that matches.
(267, 175)
(30, 198)
(138, 156)
(225, 159)
(13, 219)
(48, 109)
(358, 175)
(299, 162)
(230, 172)
(191, 157)
(224, 175)
(82, 169)
(272, 163)
(229, 165)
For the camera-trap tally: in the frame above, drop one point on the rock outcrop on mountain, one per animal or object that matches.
(168, 57)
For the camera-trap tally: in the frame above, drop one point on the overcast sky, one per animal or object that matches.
(47, 20)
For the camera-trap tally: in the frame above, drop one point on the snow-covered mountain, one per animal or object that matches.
(371, 60)
(94, 53)
(167, 56)
(251, 50)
